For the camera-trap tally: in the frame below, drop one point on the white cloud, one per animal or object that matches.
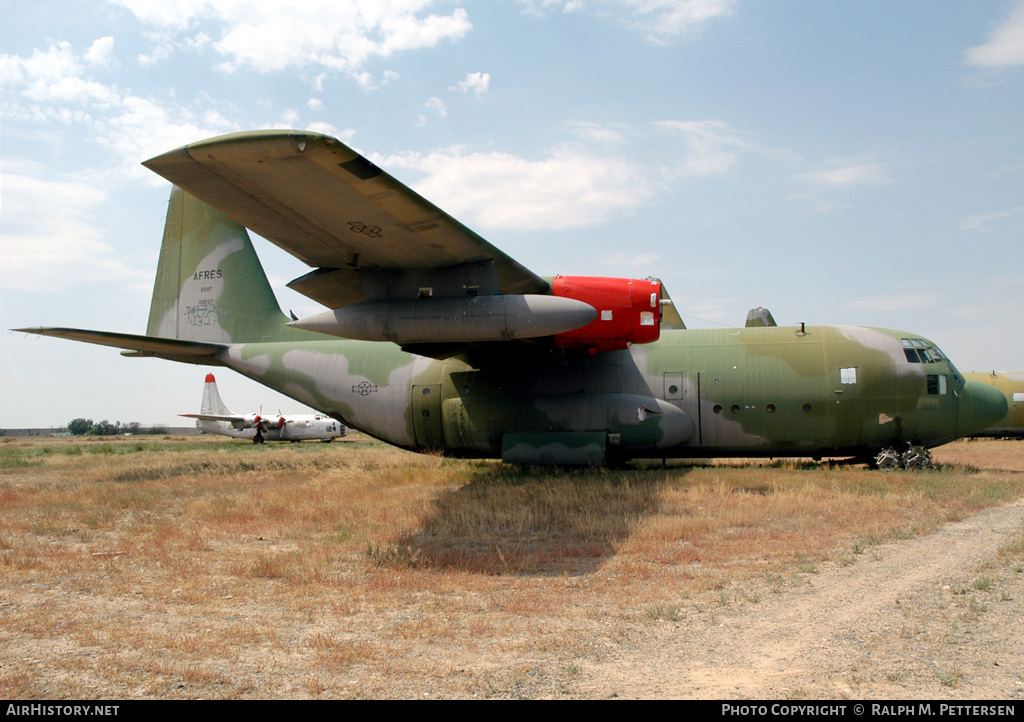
(367, 82)
(1004, 46)
(54, 85)
(269, 36)
(174, 15)
(101, 52)
(983, 222)
(614, 134)
(328, 129)
(538, 7)
(500, 190)
(843, 175)
(143, 128)
(437, 105)
(478, 83)
(668, 19)
(661, 20)
(48, 240)
(575, 186)
(710, 145)
(54, 75)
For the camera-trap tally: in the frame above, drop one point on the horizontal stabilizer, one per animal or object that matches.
(192, 352)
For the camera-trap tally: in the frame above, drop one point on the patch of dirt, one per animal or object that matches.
(932, 617)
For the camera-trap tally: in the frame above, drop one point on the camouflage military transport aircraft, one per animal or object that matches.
(215, 417)
(1011, 385)
(446, 343)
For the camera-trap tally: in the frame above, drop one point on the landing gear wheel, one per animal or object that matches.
(916, 457)
(887, 460)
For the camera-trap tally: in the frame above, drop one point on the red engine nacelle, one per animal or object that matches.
(628, 311)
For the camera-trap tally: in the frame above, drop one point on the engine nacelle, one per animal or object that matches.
(628, 311)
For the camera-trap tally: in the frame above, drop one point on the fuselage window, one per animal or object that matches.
(848, 376)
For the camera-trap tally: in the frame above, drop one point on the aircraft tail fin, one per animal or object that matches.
(210, 286)
(212, 403)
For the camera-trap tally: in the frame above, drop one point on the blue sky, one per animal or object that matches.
(837, 162)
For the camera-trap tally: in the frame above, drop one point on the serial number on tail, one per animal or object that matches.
(204, 313)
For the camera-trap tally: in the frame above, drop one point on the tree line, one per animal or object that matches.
(82, 427)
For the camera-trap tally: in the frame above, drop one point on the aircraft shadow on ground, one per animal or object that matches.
(527, 521)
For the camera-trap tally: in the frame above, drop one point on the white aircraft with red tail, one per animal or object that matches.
(216, 418)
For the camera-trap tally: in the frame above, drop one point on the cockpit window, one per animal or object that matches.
(919, 351)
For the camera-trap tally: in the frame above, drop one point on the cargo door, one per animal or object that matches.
(426, 416)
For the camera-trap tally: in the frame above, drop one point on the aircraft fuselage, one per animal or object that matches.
(771, 391)
(298, 429)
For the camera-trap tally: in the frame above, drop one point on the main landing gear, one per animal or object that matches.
(912, 457)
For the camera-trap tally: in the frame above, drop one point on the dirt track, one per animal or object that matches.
(933, 617)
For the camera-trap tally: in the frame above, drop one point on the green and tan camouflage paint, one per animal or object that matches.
(1011, 384)
(760, 390)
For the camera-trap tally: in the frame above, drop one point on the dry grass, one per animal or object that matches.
(197, 567)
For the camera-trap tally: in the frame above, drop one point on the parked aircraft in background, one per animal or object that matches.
(1011, 384)
(447, 343)
(216, 418)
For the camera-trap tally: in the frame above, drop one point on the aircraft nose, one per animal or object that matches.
(981, 406)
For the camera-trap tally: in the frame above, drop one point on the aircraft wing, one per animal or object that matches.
(214, 417)
(368, 236)
(167, 348)
(238, 422)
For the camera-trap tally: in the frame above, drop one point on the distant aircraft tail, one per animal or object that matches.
(210, 286)
(212, 403)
